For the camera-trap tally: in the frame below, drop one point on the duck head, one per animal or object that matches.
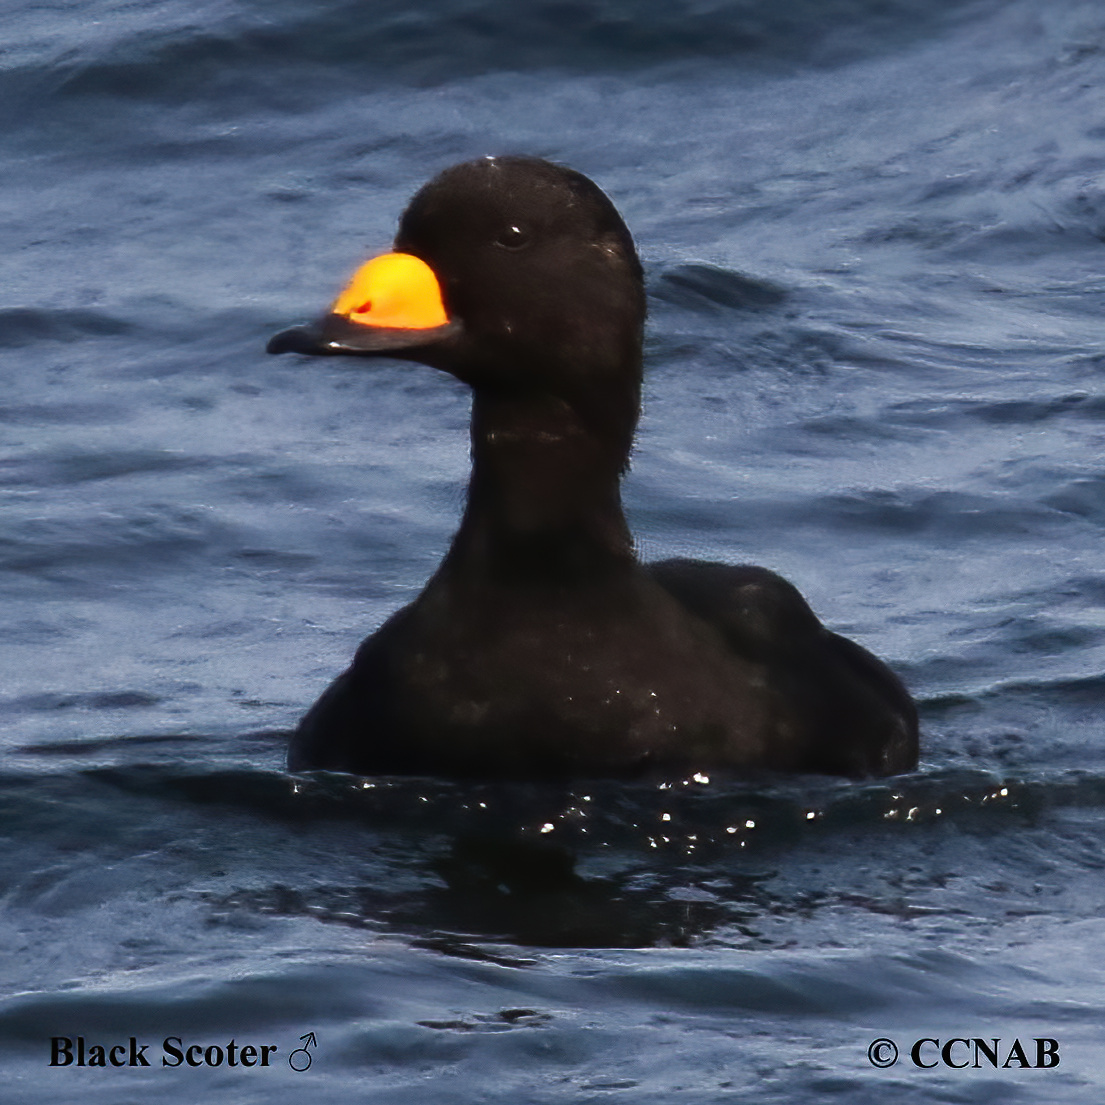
(515, 275)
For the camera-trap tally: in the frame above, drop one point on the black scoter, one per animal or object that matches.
(542, 647)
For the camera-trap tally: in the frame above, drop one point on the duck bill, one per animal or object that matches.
(334, 335)
(393, 305)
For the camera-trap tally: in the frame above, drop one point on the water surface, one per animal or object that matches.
(873, 236)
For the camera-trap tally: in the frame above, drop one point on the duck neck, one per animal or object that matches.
(544, 500)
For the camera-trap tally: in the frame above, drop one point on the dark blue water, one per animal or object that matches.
(874, 240)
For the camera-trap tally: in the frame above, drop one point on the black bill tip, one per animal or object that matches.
(335, 334)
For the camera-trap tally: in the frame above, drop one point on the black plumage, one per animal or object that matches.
(542, 647)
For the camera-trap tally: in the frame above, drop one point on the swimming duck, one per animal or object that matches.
(542, 648)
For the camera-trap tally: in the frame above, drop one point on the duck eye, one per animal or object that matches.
(513, 237)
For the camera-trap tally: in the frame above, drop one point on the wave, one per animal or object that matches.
(20, 326)
(157, 535)
(677, 816)
(703, 288)
(463, 38)
(452, 866)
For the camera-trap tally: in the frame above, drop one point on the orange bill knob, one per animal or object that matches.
(397, 291)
